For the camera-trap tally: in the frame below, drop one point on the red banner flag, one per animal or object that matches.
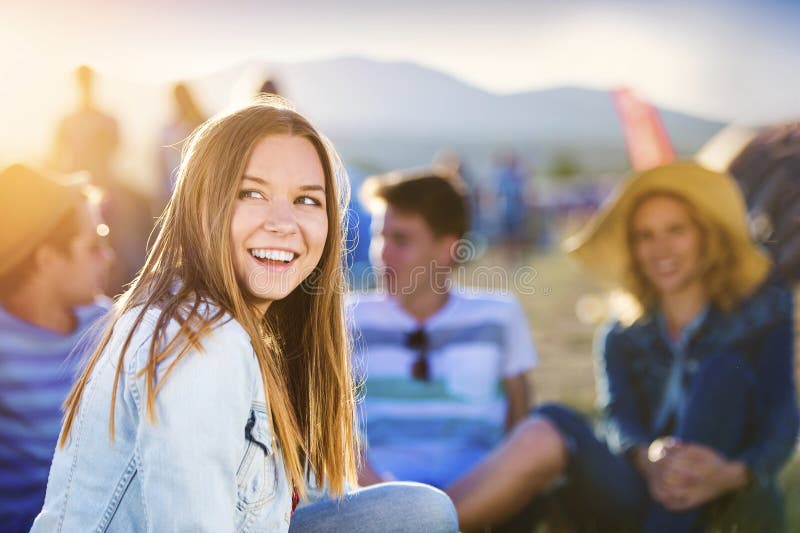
(645, 136)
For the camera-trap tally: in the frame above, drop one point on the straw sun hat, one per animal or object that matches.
(601, 246)
(31, 205)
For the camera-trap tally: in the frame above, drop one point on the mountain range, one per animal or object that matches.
(399, 113)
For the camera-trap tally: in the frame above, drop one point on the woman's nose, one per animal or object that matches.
(279, 217)
(663, 244)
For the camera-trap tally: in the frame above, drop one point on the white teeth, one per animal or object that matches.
(274, 255)
(665, 265)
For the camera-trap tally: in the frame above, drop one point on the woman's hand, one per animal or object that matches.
(682, 476)
(652, 462)
(697, 474)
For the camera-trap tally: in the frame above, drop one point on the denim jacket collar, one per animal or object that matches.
(686, 333)
(756, 313)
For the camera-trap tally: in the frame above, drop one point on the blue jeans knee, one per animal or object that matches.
(571, 425)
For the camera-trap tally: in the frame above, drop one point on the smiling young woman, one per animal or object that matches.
(222, 383)
(697, 394)
(279, 224)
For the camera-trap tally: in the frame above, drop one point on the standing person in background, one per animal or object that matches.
(445, 365)
(697, 393)
(52, 266)
(511, 209)
(186, 117)
(222, 383)
(451, 161)
(87, 140)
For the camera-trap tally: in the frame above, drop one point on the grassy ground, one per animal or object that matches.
(564, 343)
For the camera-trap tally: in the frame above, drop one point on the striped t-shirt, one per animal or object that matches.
(37, 369)
(434, 431)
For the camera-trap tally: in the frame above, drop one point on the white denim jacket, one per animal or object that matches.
(209, 463)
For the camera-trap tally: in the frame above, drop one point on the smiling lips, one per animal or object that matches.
(273, 256)
(665, 267)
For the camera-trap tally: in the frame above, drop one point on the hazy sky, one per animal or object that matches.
(731, 60)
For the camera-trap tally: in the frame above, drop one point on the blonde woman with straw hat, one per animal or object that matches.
(222, 384)
(697, 393)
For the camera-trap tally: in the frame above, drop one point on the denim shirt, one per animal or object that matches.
(634, 363)
(675, 387)
(208, 463)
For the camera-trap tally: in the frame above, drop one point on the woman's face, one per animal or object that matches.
(280, 221)
(667, 244)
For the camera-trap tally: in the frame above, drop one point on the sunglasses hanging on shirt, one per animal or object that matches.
(418, 341)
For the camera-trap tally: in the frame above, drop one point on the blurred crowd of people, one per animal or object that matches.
(510, 204)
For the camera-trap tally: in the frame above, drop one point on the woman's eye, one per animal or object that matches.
(250, 194)
(308, 200)
(678, 230)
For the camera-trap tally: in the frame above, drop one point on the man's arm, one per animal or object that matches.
(518, 361)
(517, 398)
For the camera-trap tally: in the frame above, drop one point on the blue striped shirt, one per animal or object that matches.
(37, 369)
(435, 430)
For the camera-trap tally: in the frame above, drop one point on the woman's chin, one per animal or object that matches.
(673, 285)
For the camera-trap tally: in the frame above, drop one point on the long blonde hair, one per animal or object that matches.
(717, 260)
(301, 344)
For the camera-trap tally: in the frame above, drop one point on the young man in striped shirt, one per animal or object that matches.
(52, 266)
(445, 365)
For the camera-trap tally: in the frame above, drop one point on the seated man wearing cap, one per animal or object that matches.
(52, 264)
(444, 365)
